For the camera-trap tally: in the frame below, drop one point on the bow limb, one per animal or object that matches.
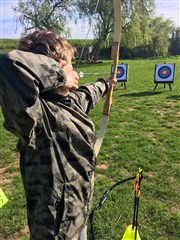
(114, 52)
(115, 58)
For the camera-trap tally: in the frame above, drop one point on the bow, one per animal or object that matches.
(115, 58)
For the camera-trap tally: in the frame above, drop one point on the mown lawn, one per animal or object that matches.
(143, 131)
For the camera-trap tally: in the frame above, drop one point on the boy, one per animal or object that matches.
(44, 107)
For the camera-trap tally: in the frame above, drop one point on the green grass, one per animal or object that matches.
(7, 45)
(143, 131)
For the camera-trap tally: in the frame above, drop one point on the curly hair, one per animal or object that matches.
(47, 43)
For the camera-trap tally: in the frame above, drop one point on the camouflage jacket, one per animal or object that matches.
(56, 141)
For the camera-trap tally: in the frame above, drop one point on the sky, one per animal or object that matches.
(166, 8)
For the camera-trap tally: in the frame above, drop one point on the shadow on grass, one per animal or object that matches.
(140, 94)
(176, 97)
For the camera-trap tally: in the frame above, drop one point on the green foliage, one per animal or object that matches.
(136, 23)
(143, 131)
(175, 42)
(44, 14)
(161, 29)
(142, 34)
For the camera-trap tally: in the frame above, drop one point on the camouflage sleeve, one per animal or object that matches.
(23, 76)
(45, 71)
(89, 95)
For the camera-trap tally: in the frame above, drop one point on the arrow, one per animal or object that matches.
(82, 74)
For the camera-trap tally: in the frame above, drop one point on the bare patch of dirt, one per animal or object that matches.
(104, 166)
(152, 136)
(159, 111)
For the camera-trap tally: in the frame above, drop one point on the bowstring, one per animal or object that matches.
(102, 201)
(87, 34)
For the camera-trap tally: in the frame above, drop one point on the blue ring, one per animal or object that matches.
(119, 75)
(164, 68)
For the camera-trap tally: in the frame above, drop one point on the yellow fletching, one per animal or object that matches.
(3, 198)
(130, 234)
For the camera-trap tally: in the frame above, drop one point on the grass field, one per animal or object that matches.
(7, 45)
(143, 131)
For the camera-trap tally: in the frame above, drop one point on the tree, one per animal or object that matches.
(44, 14)
(136, 22)
(140, 30)
(175, 42)
(100, 19)
(162, 29)
(136, 15)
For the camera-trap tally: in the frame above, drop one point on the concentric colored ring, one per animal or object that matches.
(120, 72)
(164, 72)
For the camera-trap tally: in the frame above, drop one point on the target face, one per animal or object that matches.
(164, 73)
(122, 70)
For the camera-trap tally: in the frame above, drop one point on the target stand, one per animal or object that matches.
(122, 73)
(164, 73)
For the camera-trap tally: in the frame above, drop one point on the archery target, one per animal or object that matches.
(122, 70)
(164, 73)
